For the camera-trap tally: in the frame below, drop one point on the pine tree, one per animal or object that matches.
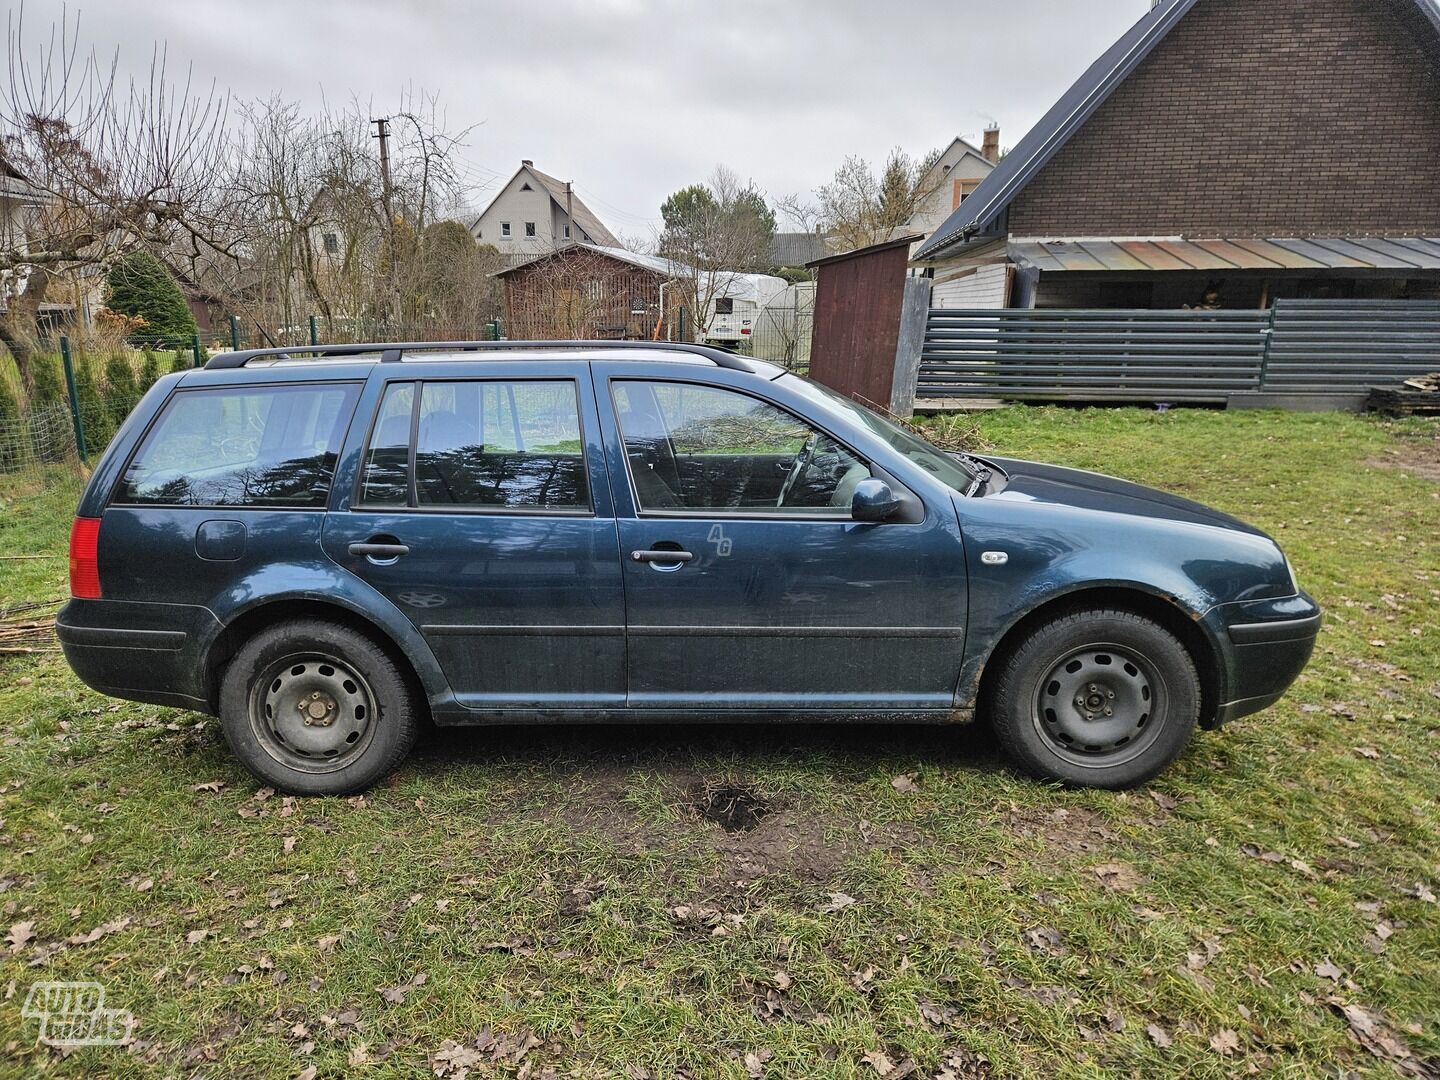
(121, 390)
(138, 284)
(149, 369)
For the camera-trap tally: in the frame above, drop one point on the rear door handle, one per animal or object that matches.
(661, 556)
(380, 551)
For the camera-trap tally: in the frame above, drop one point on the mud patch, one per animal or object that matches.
(732, 807)
(1063, 832)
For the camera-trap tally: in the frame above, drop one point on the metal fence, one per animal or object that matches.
(1323, 349)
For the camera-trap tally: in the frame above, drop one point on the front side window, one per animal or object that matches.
(712, 450)
(505, 228)
(498, 445)
(242, 446)
(529, 228)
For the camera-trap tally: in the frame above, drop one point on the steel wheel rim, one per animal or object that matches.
(313, 712)
(1072, 700)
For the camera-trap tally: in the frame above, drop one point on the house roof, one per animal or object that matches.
(982, 211)
(658, 264)
(584, 217)
(796, 248)
(1278, 254)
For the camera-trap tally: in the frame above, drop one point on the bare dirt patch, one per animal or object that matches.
(1417, 456)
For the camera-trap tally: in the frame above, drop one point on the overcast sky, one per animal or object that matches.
(632, 99)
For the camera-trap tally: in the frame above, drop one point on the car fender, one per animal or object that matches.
(321, 581)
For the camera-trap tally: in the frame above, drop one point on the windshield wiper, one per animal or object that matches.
(983, 473)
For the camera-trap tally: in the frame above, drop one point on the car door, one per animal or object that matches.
(482, 511)
(743, 593)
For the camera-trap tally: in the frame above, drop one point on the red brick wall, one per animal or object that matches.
(1257, 118)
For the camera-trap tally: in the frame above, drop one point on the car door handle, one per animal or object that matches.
(661, 556)
(380, 551)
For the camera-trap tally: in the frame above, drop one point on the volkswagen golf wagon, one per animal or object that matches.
(323, 549)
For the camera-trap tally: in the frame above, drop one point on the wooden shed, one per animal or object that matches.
(858, 300)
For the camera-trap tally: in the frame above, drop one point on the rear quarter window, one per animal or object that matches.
(242, 446)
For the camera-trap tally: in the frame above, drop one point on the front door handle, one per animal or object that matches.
(653, 556)
(380, 551)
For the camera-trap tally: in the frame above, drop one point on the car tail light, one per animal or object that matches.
(744, 331)
(84, 558)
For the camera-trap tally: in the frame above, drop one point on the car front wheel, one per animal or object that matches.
(1096, 698)
(313, 708)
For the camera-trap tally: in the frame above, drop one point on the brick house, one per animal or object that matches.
(1222, 153)
(587, 292)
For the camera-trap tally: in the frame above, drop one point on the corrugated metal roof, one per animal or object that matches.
(982, 210)
(1278, 254)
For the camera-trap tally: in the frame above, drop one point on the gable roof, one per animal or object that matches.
(585, 218)
(657, 264)
(980, 214)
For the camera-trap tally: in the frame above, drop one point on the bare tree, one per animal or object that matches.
(859, 207)
(714, 233)
(94, 166)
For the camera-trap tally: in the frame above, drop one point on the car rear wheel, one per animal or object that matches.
(1096, 698)
(313, 708)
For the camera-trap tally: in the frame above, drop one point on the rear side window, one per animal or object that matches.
(500, 445)
(242, 446)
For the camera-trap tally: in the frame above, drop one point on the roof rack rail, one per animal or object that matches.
(393, 351)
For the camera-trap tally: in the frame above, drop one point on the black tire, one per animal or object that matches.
(313, 708)
(1096, 698)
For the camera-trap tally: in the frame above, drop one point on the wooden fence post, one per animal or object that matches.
(914, 313)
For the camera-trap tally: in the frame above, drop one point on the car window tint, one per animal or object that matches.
(508, 445)
(709, 449)
(242, 446)
(386, 479)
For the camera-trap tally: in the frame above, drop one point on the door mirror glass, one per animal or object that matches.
(873, 501)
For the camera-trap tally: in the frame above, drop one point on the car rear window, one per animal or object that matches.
(478, 444)
(242, 446)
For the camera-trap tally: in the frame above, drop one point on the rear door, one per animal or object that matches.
(482, 511)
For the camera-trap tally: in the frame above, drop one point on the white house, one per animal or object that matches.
(533, 214)
(955, 174)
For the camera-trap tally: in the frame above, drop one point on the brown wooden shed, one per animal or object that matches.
(858, 300)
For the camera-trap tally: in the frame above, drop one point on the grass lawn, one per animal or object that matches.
(529, 902)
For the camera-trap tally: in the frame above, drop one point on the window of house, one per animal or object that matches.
(497, 445)
(504, 228)
(526, 186)
(961, 190)
(529, 228)
(715, 451)
(242, 446)
(567, 232)
(332, 243)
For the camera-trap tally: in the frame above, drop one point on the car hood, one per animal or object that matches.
(1059, 486)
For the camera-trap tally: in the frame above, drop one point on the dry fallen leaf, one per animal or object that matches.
(194, 937)
(1225, 1042)
(905, 783)
(327, 943)
(20, 934)
(1327, 970)
(289, 844)
(1159, 1036)
(880, 1062)
(837, 902)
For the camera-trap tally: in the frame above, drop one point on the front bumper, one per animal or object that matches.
(1265, 645)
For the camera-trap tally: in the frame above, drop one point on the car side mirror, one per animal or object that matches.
(873, 501)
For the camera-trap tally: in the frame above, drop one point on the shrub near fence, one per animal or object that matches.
(38, 429)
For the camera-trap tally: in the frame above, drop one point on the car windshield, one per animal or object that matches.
(946, 468)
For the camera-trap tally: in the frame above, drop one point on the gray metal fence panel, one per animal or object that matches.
(1335, 348)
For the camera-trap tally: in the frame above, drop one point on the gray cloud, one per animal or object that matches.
(635, 98)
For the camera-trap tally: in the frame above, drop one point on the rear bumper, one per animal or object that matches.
(1267, 644)
(142, 652)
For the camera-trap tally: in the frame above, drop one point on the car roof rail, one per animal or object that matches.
(391, 352)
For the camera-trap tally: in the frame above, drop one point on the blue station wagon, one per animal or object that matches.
(324, 549)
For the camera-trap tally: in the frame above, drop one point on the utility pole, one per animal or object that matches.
(382, 132)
